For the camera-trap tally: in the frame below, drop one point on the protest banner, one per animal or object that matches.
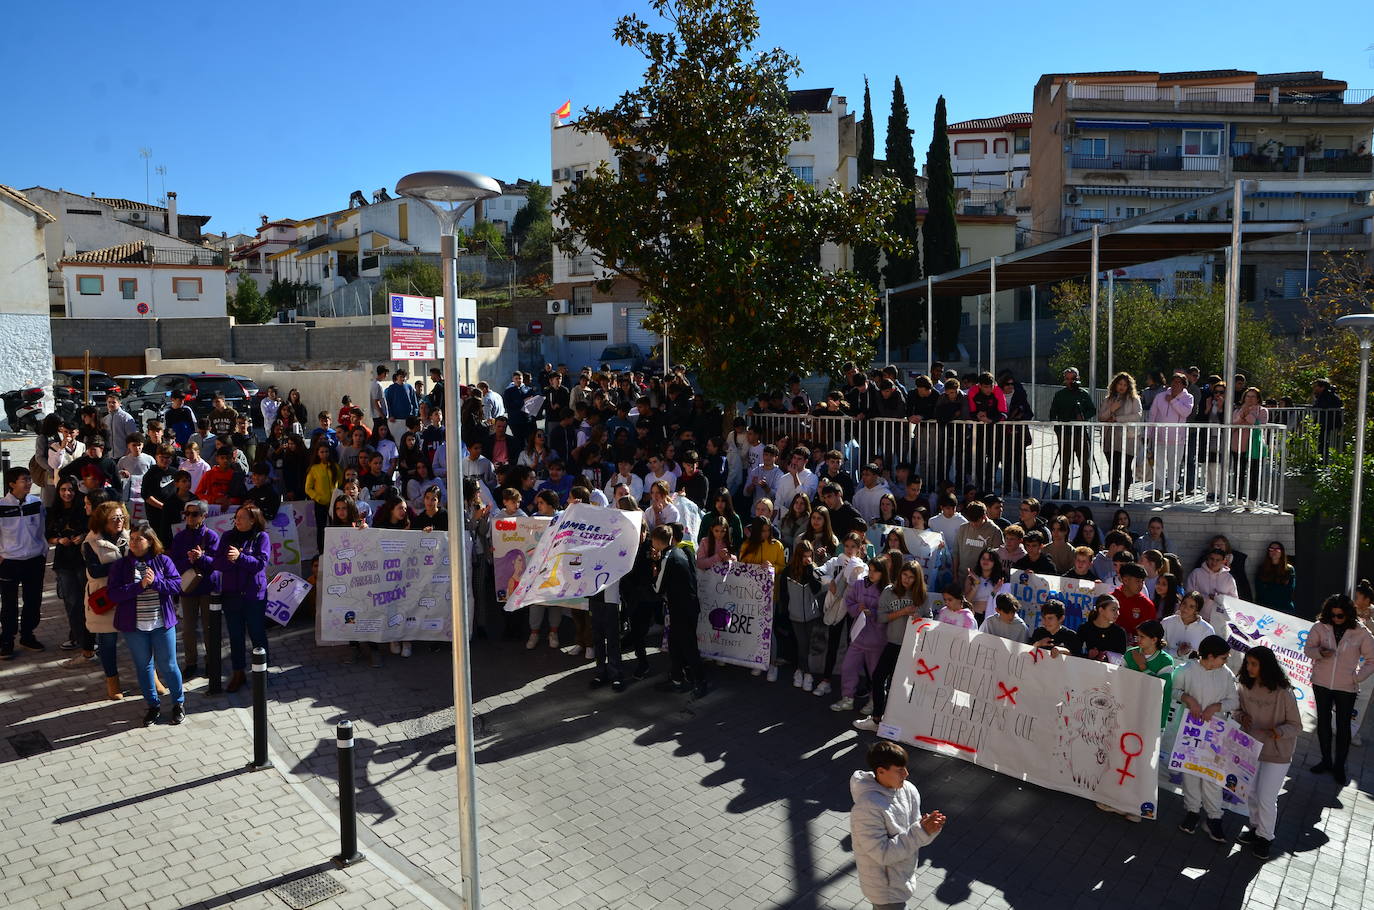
(1217, 750)
(379, 585)
(1249, 624)
(282, 537)
(285, 592)
(1031, 590)
(1077, 726)
(689, 514)
(133, 490)
(513, 540)
(586, 549)
(735, 625)
(303, 517)
(926, 548)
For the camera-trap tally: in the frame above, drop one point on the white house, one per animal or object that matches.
(587, 320)
(991, 161)
(137, 280)
(250, 259)
(25, 338)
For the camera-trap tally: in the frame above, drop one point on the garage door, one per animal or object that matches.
(582, 350)
(635, 331)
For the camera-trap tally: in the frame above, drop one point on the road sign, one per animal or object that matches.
(465, 331)
(536, 327)
(412, 327)
(142, 309)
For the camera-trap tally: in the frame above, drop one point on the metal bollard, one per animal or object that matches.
(214, 648)
(260, 759)
(348, 817)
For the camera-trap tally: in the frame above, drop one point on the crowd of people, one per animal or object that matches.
(791, 502)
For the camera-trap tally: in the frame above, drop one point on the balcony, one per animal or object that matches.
(1297, 164)
(1222, 99)
(1134, 161)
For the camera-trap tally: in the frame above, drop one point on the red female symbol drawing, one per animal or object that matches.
(1125, 770)
(923, 670)
(1008, 694)
(922, 624)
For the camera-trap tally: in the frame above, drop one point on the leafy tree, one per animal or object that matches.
(866, 255)
(535, 211)
(940, 233)
(536, 249)
(1161, 333)
(413, 276)
(1330, 499)
(1322, 351)
(705, 215)
(247, 305)
(283, 295)
(484, 237)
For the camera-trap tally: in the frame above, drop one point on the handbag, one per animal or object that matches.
(189, 579)
(1257, 447)
(100, 601)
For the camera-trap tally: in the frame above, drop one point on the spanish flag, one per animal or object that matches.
(564, 112)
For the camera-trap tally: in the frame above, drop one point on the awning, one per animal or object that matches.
(1112, 124)
(1147, 192)
(1121, 244)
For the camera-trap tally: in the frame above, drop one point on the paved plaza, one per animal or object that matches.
(588, 799)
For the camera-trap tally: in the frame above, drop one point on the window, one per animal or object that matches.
(128, 288)
(90, 284)
(1092, 214)
(1202, 142)
(970, 148)
(999, 146)
(187, 288)
(582, 301)
(806, 174)
(1021, 142)
(1131, 211)
(1096, 147)
(95, 212)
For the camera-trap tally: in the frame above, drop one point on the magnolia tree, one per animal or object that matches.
(701, 209)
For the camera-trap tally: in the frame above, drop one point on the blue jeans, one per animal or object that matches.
(105, 643)
(158, 646)
(240, 612)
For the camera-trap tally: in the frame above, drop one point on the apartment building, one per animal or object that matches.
(585, 320)
(991, 160)
(1107, 146)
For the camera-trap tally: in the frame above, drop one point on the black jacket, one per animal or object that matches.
(679, 581)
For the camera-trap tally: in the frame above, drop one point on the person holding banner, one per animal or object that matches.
(1342, 653)
(1186, 628)
(1268, 712)
(904, 599)
(1206, 688)
(1052, 634)
(1100, 636)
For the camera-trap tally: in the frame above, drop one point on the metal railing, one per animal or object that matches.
(1165, 464)
(1131, 161)
(1298, 164)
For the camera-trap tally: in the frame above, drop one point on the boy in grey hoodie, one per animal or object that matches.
(888, 827)
(1005, 622)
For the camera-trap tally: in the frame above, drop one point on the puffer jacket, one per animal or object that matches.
(887, 832)
(1271, 709)
(1344, 670)
(804, 597)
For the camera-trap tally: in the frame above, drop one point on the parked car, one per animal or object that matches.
(254, 396)
(75, 380)
(132, 383)
(622, 357)
(199, 388)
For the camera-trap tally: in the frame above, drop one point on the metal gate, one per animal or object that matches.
(635, 331)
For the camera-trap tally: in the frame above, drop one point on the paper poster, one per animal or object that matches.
(689, 514)
(532, 405)
(1032, 590)
(735, 625)
(1077, 726)
(1217, 750)
(303, 516)
(513, 540)
(927, 549)
(285, 592)
(384, 586)
(133, 487)
(587, 548)
(1249, 624)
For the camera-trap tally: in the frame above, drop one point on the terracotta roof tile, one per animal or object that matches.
(133, 251)
(992, 123)
(25, 202)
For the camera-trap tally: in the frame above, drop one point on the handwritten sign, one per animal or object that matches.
(1032, 590)
(1219, 751)
(377, 585)
(584, 551)
(282, 538)
(285, 592)
(303, 517)
(926, 548)
(689, 514)
(1077, 726)
(513, 540)
(735, 625)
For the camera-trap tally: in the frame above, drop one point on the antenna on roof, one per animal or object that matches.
(146, 154)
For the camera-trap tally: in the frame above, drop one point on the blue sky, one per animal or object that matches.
(284, 108)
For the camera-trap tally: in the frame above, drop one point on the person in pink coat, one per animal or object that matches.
(1342, 653)
(1173, 406)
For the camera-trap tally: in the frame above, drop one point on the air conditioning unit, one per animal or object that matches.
(1071, 199)
(138, 216)
(559, 308)
(562, 173)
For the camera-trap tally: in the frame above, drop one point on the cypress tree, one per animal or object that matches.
(866, 254)
(940, 237)
(901, 165)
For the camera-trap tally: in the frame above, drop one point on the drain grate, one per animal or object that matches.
(27, 745)
(309, 890)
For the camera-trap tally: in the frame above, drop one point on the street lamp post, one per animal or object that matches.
(1362, 324)
(450, 194)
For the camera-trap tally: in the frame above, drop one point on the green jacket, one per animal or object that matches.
(1072, 404)
(1159, 665)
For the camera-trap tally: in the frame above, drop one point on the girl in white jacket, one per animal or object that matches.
(1206, 688)
(835, 576)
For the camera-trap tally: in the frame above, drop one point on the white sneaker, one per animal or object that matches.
(844, 704)
(756, 672)
(395, 647)
(589, 653)
(773, 674)
(808, 682)
(867, 724)
(797, 679)
(867, 708)
(532, 641)
(574, 651)
(553, 641)
(822, 688)
(405, 649)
